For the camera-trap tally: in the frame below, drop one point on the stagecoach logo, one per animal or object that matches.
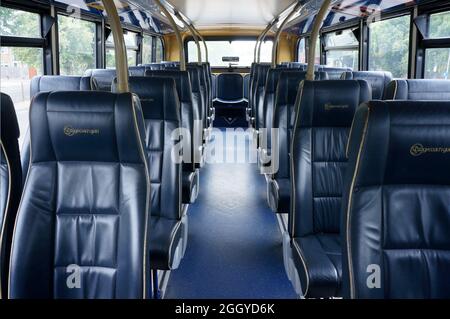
(70, 131)
(419, 149)
(329, 107)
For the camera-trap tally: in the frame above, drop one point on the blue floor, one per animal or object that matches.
(234, 246)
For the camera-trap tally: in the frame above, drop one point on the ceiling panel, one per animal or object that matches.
(231, 12)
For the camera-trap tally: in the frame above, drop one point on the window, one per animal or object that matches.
(147, 49)
(159, 50)
(132, 48)
(437, 63)
(301, 53)
(76, 45)
(342, 49)
(389, 46)
(243, 49)
(317, 55)
(440, 25)
(19, 23)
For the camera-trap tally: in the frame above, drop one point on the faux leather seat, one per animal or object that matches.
(433, 90)
(50, 83)
(313, 252)
(101, 79)
(190, 174)
(377, 80)
(333, 73)
(396, 208)
(10, 184)
(161, 109)
(258, 94)
(230, 88)
(83, 222)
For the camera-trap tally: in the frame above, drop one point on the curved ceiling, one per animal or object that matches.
(245, 13)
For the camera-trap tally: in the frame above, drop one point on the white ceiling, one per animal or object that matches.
(245, 13)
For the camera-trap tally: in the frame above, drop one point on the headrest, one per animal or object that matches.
(138, 70)
(194, 73)
(433, 90)
(101, 78)
(402, 142)
(86, 127)
(158, 97)
(377, 80)
(289, 83)
(182, 82)
(48, 83)
(8, 119)
(331, 103)
(297, 65)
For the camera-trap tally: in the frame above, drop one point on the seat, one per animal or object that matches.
(230, 88)
(83, 220)
(258, 93)
(377, 80)
(49, 83)
(312, 251)
(190, 174)
(101, 79)
(138, 70)
(396, 212)
(433, 90)
(10, 184)
(168, 226)
(246, 86)
(333, 73)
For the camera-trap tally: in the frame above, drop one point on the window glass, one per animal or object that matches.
(440, 25)
(342, 38)
(131, 44)
(18, 67)
(437, 63)
(337, 55)
(389, 46)
(302, 51)
(147, 43)
(243, 49)
(159, 50)
(76, 45)
(19, 23)
(343, 58)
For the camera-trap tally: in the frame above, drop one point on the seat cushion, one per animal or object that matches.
(279, 194)
(319, 261)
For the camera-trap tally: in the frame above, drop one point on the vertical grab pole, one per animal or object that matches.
(258, 54)
(119, 46)
(259, 39)
(177, 33)
(194, 35)
(315, 37)
(278, 34)
(204, 42)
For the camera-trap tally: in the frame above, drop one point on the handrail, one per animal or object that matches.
(314, 38)
(191, 29)
(204, 42)
(119, 46)
(278, 34)
(177, 33)
(259, 39)
(258, 56)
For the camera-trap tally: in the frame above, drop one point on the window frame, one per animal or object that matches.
(325, 49)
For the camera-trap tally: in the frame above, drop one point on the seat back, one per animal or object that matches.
(397, 201)
(377, 80)
(258, 98)
(138, 70)
(83, 218)
(188, 111)
(433, 90)
(11, 184)
(230, 87)
(246, 86)
(161, 110)
(101, 79)
(333, 73)
(322, 125)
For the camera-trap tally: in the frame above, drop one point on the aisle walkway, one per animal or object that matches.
(234, 246)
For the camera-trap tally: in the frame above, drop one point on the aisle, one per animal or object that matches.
(234, 246)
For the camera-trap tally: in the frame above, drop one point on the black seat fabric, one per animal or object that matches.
(397, 201)
(161, 109)
(190, 176)
(318, 161)
(101, 79)
(10, 184)
(377, 80)
(230, 88)
(84, 216)
(433, 90)
(50, 83)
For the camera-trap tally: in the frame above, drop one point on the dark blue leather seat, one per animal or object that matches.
(377, 80)
(297, 65)
(313, 251)
(396, 208)
(83, 222)
(230, 88)
(258, 94)
(10, 184)
(101, 79)
(161, 109)
(333, 73)
(50, 83)
(190, 175)
(138, 70)
(246, 86)
(433, 90)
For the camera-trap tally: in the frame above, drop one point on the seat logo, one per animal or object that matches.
(70, 131)
(329, 107)
(418, 150)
